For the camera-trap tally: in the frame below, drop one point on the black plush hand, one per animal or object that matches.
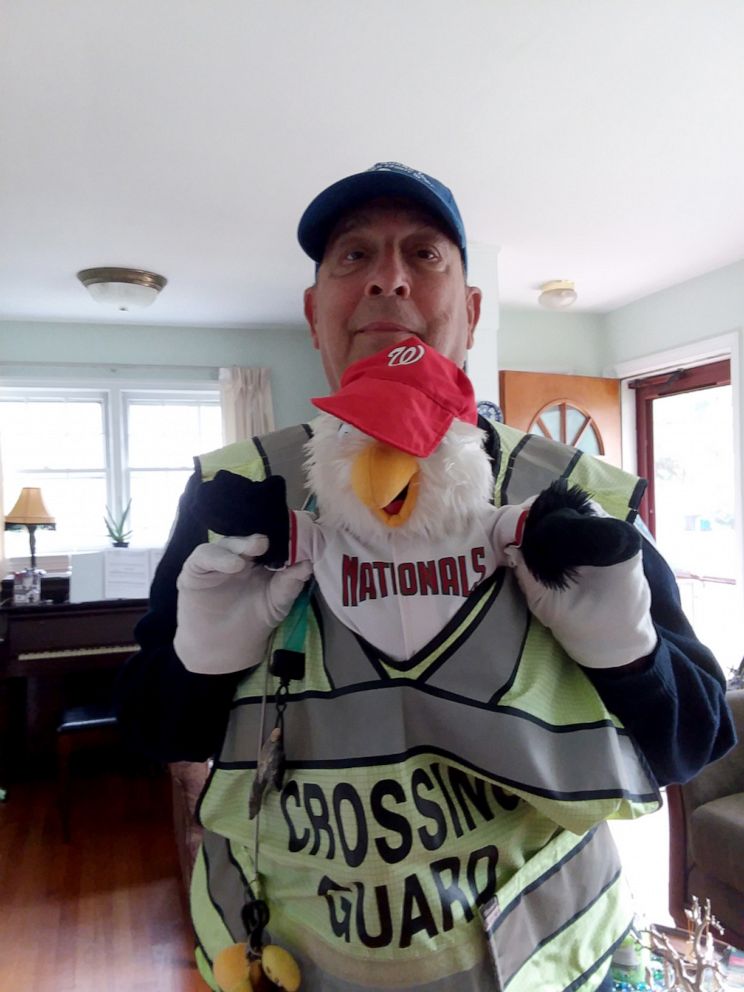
(563, 532)
(234, 506)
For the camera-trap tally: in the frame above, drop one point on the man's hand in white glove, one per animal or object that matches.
(228, 605)
(582, 576)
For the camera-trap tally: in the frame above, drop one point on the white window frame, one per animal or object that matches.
(115, 397)
(123, 398)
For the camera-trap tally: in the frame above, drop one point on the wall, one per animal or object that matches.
(694, 320)
(709, 305)
(593, 344)
(545, 341)
(86, 350)
(506, 338)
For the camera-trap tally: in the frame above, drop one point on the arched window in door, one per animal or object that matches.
(561, 420)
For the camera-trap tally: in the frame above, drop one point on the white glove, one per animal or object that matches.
(602, 618)
(510, 521)
(228, 605)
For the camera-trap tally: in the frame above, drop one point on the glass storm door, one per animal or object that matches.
(686, 451)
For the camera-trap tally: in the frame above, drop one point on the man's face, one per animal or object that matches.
(389, 272)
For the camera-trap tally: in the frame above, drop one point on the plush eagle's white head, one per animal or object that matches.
(371, 488)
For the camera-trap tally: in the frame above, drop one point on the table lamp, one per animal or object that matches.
(30, 512)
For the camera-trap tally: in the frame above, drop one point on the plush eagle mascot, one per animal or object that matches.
(404, 529)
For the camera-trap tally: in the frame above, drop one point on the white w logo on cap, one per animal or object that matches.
(406, 356)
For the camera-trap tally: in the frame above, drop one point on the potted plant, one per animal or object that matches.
(117, 527)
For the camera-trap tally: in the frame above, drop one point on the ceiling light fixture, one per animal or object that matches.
(123, 289)
(558, 294)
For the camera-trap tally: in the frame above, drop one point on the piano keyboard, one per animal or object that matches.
(76, 652)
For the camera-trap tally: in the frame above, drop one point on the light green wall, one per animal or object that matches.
(544, 341)
(528, 340)
(589, 344)
(692, 311)
(86, 350)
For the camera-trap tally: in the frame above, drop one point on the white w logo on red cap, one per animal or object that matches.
(406, 355)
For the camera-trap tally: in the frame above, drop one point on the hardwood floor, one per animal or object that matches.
(103, 913)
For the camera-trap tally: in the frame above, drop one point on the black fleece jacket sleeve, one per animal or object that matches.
(673, 702)
(164, 710)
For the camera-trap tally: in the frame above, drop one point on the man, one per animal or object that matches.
(412, 870)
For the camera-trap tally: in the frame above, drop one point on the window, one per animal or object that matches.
(89, 449)
(569, 424)
(163, 434)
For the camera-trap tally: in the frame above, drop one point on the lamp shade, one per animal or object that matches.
(29, 509)
(122, 289)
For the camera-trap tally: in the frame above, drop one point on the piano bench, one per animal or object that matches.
(90, 724)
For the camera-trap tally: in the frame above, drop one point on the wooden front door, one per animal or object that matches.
(580, 410)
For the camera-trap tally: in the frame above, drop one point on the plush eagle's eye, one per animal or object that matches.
(345, 430)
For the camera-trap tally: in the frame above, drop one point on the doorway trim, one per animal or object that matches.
(653, 387)
(699, 352)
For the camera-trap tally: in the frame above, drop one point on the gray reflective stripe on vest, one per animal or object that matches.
(225, 877)
(345, 664)
(533, 464)
(547, 906)
(503, 632)
(348, 665)
(385, 723)
(283, 454)
(480, 978)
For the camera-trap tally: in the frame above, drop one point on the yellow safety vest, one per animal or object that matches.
(393, 858)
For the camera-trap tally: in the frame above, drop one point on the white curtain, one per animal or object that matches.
(247, 408)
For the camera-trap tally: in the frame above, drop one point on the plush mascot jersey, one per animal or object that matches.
(396, 591)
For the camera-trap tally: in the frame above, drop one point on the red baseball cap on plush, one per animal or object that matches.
(406, 396)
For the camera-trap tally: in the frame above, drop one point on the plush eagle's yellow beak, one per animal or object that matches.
(386, 480)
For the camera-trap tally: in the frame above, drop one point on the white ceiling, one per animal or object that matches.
(595, 140)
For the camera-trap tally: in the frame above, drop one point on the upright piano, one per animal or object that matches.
(47, 652)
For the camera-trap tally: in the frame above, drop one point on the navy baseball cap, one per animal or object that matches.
(382, 179)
